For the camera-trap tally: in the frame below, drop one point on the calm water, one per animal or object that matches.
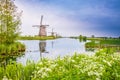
(36, 49)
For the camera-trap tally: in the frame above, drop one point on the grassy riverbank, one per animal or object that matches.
(104, 65)
(36, 38)
(102, 43)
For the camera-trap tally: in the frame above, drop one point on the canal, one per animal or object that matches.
(51, 49)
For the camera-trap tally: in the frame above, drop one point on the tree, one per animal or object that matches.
(9, 21)
(84, 38)
(80, 38)
(93, 36)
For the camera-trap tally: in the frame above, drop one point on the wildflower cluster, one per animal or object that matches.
(80, 67)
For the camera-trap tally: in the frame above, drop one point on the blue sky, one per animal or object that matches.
(72, 17)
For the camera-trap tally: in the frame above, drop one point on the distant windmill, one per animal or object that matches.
(42, 30)
(52, 33)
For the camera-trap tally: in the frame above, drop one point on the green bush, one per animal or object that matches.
(12, 48)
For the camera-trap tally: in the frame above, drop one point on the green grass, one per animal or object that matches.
(111, 41)
(104, 65)
(17, 71)
(36, 38)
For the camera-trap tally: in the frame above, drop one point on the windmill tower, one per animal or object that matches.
(42, 30)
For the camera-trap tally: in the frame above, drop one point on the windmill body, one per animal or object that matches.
(42, 28)
(42, 31)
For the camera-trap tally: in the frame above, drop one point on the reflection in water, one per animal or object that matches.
(90, 49)
(52, 43)
(42, 46)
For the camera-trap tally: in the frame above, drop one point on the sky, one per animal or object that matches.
(71, 17)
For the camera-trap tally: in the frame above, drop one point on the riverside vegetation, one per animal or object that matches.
(102, 43)
(9, 28)
(103, 65)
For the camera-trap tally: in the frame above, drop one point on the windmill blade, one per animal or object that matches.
(45, 25)
(36, 26)
(41, 20)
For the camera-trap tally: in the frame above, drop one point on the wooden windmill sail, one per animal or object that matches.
(42, 30)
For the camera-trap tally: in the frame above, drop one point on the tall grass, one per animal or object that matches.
(17, 71)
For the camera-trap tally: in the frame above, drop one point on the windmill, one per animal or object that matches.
(42, 30)
(52, 33)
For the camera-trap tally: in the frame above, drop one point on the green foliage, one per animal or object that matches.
(11, 49)
(104, 65)
(17, 71)
(104, 43)
(111, 41)
(92, 44)
(82, 38)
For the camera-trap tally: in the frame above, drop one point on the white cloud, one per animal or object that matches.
(54, 16)
(59, 18)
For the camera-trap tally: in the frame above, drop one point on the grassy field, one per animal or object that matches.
(103, 65)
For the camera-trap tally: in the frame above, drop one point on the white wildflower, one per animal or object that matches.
(97, 74)
(104, 61)
(90, 73)
(5, 78)
(53, 66)
(73, 61)
(40, 63)
(48, 70)
(40, 71)
(37, 67)
(109, 64)
(77, 57)
(49, 62)
(44, 75)
(98, 79)
(76, 66)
